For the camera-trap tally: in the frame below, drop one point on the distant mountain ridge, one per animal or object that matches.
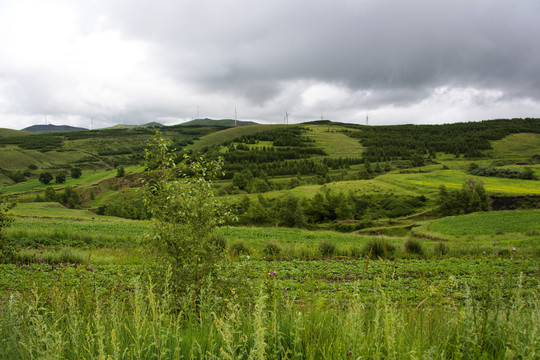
(45, 129)
(222, 122)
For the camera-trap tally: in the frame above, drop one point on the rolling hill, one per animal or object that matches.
(222, 122)
(46, 129)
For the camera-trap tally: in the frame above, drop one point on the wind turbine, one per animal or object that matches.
(235, 116)
(286, 118)
(367, 120)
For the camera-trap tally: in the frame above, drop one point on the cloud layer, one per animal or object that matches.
(418, 61)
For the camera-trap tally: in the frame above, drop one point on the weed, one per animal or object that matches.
(412, 246)
(327, 248)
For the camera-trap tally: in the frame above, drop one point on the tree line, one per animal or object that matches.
(402, 142)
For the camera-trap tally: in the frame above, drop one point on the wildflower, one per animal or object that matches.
(495, 243)
(483, 252)
(349, 353)
(513, 250)
(271, 273)
(50, 297)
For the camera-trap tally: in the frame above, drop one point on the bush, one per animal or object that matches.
(45, 178)
(60, 178)
(75, 172)
(355, 252)
(120, 172)
(239, 248)
(272, 249)
(50, 195)
(412, 246)
(327, 248)
(440, 249)
(378, 248)
(218, 240)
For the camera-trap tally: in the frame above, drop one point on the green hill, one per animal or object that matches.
(46, 129)
(11, 132)
(375, 173)
(222, 122)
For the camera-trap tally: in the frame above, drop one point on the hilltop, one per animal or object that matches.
(45, 129)
(222, 122)
(11, 132)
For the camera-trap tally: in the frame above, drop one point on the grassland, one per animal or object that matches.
(11, 132)
(520, 146)
(68, 298)
(334, 143)
(229, 135)
(453, 179)
(92, 286)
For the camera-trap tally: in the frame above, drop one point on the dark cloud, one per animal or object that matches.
(266, 55)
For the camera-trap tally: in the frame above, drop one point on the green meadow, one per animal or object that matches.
(410, 284)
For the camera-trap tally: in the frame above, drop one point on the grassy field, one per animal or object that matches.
(94, 290)
(490, 223)
(521, 146)
(90, 286)
(17, 159)
(334, 143)
(453, 179)
(11, 132)
(229, 134)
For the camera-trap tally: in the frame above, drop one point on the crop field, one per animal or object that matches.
(453, 179)
(320, 308)
(518, 221)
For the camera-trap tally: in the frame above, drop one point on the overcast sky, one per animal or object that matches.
(414, 61)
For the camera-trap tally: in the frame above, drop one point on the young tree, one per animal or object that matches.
(45, 178)
(180, 198)
(60, 178)
(75, 172)
(120, 172)
(50, 195)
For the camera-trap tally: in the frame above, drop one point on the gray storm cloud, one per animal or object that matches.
(347, 57)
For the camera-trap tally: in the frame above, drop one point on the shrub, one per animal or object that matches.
(60, 178)
(355, 252)
(218, 240)
(440, 249)
(75, 172)
(412, 246)
(378, 248)
(272, 249)
(8, 250)
(50, 195)
(45, 178)
(327, 248)
(239, 248)
(120, 172)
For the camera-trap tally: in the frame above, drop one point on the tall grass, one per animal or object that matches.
(139, 322)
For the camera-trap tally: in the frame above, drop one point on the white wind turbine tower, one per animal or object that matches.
(235, 116)
(367, 120)
(286, 118)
